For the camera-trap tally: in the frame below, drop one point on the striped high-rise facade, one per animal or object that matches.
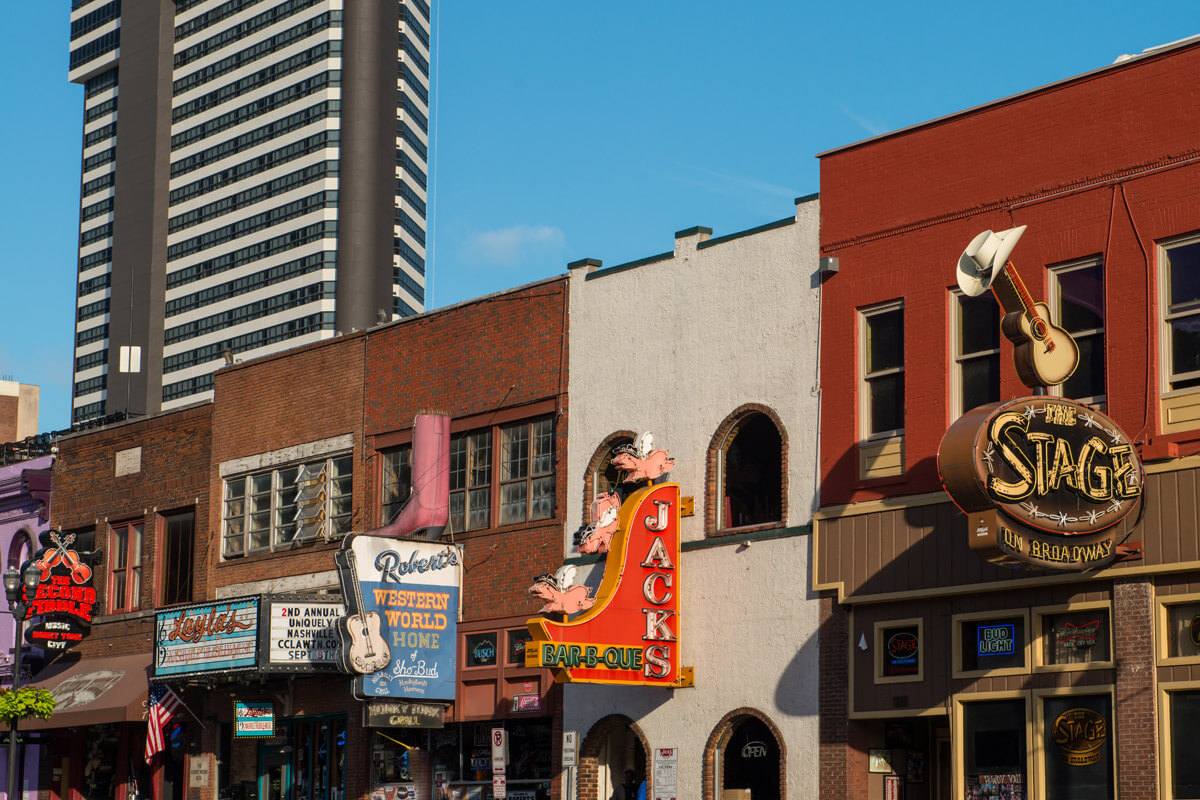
(253, 178)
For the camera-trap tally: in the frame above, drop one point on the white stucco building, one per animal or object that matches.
(713, 348)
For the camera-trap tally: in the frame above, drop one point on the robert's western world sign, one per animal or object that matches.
(1043, 481)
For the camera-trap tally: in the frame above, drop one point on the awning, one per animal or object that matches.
(93, 691)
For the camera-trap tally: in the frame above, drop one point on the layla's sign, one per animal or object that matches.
(206, 638)
(630, 634)
(1043, 481)
(63, 602)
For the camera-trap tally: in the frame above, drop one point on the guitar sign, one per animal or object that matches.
(1045, 354)
(364, 650)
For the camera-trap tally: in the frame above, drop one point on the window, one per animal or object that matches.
(518, 640)
(481, 649)
(1183, 723)
(1077, 291)
(1181, 274)
(604, 476)
(898, 651)
(524, 465)
(1180, 637)
(976, 351)
(527, 471)
(991, 643)
(1077, 746)
(278, 508)
(125, 567)
(751, 470)
(883, 371)
(995, 748)
(1073, 637)
(175, 561)
(396, 482)
(470, 481)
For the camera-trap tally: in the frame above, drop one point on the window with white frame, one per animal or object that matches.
(1181, 313)
(882, 359)
(1077, 292)
(274, 509)
(516, 477)
(976, 351)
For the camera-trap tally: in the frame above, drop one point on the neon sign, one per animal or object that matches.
(631, 634)
(1043, 480)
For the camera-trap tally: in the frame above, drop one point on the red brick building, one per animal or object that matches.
(1103, 169)
(192, 519)
(135, 495)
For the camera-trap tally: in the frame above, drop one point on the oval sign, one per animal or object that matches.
(903, 645)
(1080, 734)
(1047, 462)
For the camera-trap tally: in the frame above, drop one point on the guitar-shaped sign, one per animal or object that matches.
(1044, 354)
(364, 650)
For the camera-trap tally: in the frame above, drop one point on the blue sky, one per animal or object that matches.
(567, 130)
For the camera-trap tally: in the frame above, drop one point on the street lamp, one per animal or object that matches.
(13, 581)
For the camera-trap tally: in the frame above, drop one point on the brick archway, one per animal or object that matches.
(598, 458)
(712, 465)
(588, 777)
(716, 740)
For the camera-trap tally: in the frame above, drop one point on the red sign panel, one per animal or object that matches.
(631, 634)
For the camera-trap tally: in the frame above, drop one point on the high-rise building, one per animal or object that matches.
(253, 178)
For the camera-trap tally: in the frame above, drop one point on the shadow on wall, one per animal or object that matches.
(796, 692)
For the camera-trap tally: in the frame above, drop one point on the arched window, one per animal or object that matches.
(746, 753)
(21, 548)
(748, 460)
(600, 475)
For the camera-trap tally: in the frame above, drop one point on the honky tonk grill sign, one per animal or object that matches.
(1043, 482)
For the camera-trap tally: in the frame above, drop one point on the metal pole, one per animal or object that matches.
(18, 614)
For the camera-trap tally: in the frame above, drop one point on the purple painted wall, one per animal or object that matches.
(24, 514)
(23, 517)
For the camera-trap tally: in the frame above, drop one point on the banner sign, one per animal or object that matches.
(63, 603)
(389, 714)
(213, 637)
(300, 636)
(401, 639)
(1043, 481)
(253, 719)
(630, 635)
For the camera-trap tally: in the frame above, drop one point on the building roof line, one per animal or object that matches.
(1123, 62)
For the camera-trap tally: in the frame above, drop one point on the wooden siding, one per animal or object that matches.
(938, 685)
(923, 549)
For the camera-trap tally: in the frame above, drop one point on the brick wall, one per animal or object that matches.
(1135, 709)
(899, 210)
(484, 358)
(173, 476)
(300, 396)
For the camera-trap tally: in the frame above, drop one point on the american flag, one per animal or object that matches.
(163, 704)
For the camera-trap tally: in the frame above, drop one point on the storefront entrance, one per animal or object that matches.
(613, 752)
(304, 760)
(747, 759)
(909, 758)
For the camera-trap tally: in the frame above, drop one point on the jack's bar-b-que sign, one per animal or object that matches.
(630, 634)
(1043, 482)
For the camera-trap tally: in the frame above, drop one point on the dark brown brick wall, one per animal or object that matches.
(88, 495)
(1135, 709)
